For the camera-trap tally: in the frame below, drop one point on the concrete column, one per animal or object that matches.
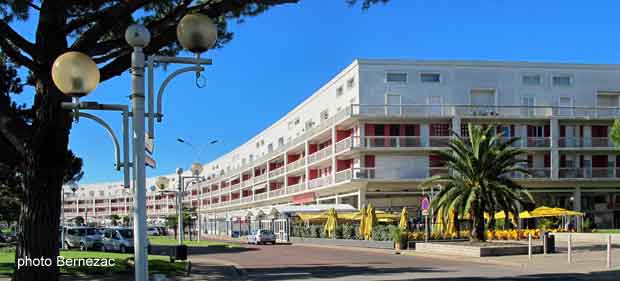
(555, 154)
(337, 199)
(456, 124)
(333, 157)
(361, 134)
(306, 149)
(285, 172)
(424, 134)
(577, 204)
(361, 197)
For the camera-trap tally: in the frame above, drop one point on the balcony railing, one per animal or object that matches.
(584, 142)
(246, 183)
(295, 164)
(260, 196)
(534, 173)
(319, 155)
(391, 141)
(246, 199)
(235, 186)
(295, 188)
(587, 173)
(235, 201)
(437, 171)
(225, 189)
(260, 178)
(439, 141)
(277, 192)
(276, 172)
(344, 175)
(319, 182)
(538, 142)
(344, 144)
(511, 111)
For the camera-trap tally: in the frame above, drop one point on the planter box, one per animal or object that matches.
(344, 242)
(475, 251)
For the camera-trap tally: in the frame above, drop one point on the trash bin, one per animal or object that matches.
(549, 240)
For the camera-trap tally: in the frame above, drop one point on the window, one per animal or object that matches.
(270, 147)
(324, 115)
(351, 83)
(281, 141)
(396, 77)
(309, 124)
(257, 144)
(562, 80)
(339, 91)
(531, 79)
(430, 78)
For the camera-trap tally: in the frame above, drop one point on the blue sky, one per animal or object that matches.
(279, 58)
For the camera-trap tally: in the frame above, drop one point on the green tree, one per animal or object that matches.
(36, 138)
(79, 220)
(126, 220)
(480, 181)
(114, 219)
(615, 133)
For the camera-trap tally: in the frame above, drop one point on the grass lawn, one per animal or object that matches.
(607, 231)
(157, 264)
(168, 241)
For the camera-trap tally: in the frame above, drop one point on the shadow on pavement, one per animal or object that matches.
(200, 250)
(602, 275)
(323, 271)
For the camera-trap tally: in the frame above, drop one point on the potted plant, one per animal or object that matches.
(397, 235)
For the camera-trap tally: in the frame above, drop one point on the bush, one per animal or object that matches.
(349, 231)
(587, 225)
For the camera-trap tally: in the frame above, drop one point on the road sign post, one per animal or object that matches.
(425, 205)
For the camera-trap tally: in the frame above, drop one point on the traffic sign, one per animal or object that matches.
(425, 205)
(149, 161)
(149, 144)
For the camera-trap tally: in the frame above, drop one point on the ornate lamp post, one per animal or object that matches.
(76, 75)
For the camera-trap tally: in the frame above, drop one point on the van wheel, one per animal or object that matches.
(82, 247)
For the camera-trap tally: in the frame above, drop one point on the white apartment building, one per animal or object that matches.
(370, 133)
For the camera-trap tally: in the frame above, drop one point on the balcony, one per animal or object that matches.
(277, 192)
(482, 111)
(439, 141)
(225, 189)
(589, 173)
(319, 182)
(321, 154)
(437, 171)
(344, 175)
(235, 186)
(260, 178)
(295, 188)
(260, 196)
(585, 142)
(533, 173)
(391, 142)
(344, 144)
(246, 199)
(295, 164)
(246, 183)
(538, 142)
(276, 172)
(235, 201)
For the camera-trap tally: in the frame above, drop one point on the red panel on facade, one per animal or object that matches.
(547, 131)
(293, 157)
(293, 180)
(531, 131)
(304, 198)
(599, 131)
(312, 148)
(343, 164)
(562, 161)
(530, 161)
(434, 160)
(599, 161)
(562, 131)
(314, 173)
(369, 129)
(547, 160)
(369, 161)
(343, 134)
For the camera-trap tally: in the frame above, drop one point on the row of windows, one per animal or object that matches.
(527, 79)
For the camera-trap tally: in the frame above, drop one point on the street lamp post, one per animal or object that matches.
(180, 192)
(74, 187)
(76, 75)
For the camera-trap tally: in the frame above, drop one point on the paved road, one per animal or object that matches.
(296, 262)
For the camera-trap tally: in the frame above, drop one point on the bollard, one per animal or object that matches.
(609, 251)
(545, 249)
(529, 247)
(570, 248)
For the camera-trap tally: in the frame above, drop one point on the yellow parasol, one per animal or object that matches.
(371, 220)
(403, 219)
(331, 223)
(363, 223)
(451, 229)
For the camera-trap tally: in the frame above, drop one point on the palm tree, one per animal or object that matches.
(480, 179)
